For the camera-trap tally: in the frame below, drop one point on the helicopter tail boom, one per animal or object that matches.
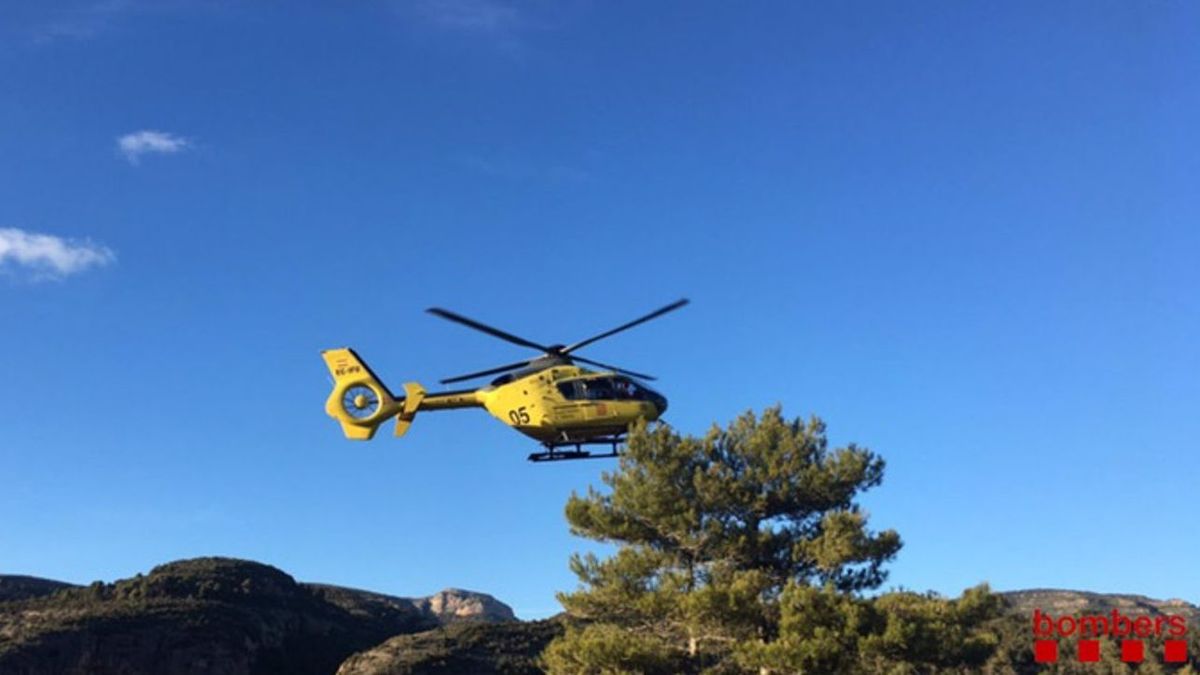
(360, 401)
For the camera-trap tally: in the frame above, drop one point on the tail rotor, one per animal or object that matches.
(359, 401)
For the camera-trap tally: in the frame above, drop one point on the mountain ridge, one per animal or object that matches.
(1069, 601)
(207, 615)
(226, 616)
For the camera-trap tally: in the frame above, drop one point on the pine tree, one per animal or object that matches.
(712, 533)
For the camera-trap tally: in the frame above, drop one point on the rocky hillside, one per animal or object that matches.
(209, 615)
(15, 587)
(232, 617)
(507, 648)
(452, 605)
(1063, 602)
(511, 648)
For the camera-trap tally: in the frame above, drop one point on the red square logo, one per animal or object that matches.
(1045, 651)
(1175, 651)
(1089, 650)
(1132, 651)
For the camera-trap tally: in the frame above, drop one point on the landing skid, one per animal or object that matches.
(555, 452)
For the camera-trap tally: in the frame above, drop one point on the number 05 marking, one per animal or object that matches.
(519, 416)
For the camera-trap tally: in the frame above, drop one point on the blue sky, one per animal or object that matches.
(962, 233)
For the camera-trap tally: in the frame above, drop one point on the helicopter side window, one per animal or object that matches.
(600, 389)
(603, 389)
(627, 390)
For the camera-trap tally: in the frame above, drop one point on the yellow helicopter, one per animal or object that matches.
(547, 398)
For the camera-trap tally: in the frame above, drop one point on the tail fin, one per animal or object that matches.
(360, 402)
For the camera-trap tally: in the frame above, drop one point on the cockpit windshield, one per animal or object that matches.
(605, 388)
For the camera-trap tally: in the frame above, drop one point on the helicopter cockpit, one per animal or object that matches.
(610, 388)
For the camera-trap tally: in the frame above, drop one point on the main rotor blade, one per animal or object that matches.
(482, 327)
(652, 315)
(640, 376)
(490, 371)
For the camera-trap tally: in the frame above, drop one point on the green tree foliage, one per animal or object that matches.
(901, 633)
(923, 633)
(744, 551)
(720, 539)
(819, 631)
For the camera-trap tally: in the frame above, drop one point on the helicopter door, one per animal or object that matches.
(592, 398)
(600, 397)
(570, 410)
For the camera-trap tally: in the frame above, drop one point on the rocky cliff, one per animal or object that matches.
(216, 616)
(455, 604)
(444, 607)
(209, 615)
(1065, 602)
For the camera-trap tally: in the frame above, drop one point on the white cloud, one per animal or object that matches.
(146, 141)
(48, 256)
(483, 16)
(506, 25)
(500, 24)
(80, 21)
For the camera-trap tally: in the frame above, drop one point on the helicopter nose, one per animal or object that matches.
(660, 402)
